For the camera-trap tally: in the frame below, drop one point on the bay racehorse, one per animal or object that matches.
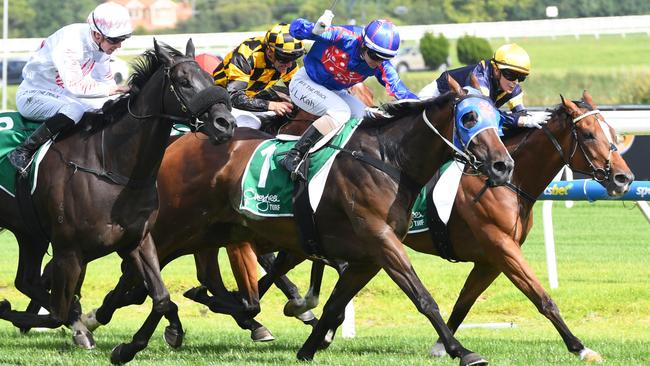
(362, 215)
(96, 191)
(488, 227)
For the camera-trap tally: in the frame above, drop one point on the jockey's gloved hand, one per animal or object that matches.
(323, 22)
(536, 120)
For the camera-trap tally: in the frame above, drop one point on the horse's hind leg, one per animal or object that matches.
(399, 268)
(512, 263)
(479, 279)
(349, 284)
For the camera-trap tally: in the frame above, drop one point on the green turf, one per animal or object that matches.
(604, 297)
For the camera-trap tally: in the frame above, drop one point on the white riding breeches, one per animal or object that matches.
(250, 119)
(318, 100)
(39, 105)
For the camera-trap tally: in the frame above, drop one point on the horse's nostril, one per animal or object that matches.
(623, 178)
(500, 166)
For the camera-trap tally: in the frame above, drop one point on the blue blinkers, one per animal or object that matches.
(487, 117)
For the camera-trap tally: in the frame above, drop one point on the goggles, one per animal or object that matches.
(286, 57)
(513, 75)
(111, 40)
(376, 56)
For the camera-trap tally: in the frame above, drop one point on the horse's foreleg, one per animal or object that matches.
(209, 275)
(243, 262)
(128, 291)
(68, 271)
(477, 281)
(397, 265)
(514, 266)
(28, 274)
(145, 259)
(349, 284)
(288, 288)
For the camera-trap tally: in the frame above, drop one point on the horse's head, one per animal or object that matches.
(476, 123)
(594, 152)
(206, 106)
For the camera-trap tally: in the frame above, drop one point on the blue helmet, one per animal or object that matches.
(382, 37)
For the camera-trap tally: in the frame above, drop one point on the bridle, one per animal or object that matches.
(191, 118)
(598, 174)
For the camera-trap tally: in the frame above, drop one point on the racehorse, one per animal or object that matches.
(488, 227)
(362, 215)
(96, 191)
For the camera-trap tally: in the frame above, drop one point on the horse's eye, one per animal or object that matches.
(469, 119)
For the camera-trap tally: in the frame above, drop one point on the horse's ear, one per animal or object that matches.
(587, 98)
(189, 48)
(473, 80)
(454, 86)
(571, 107)
(162, 53)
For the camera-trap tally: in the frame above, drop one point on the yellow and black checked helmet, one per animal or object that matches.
(512, 56)
(283, 46)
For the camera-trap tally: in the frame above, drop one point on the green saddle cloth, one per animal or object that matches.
(267, 187)
(14, 129)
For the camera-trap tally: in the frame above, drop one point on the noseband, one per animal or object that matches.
(598, 174)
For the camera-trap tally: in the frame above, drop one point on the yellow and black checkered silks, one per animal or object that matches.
(278, 38)
(248, 63)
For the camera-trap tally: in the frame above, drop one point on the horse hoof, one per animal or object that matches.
(438, 350)
(83, 339)
(118, 355)
(591, 356)
(24, 330)
(307, 317)
(90, 321)
(262, 334)
(195, 292)
(5, 306)
(473, 359)
(311, 302)
(305, 356)
(295, 307)
(174, 337)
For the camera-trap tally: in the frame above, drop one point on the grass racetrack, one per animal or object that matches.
(603, 252)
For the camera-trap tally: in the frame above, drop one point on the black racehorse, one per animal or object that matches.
(363, 214)
(96, 191)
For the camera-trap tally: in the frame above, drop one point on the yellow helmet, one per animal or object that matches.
(283, 46)
(512, 56)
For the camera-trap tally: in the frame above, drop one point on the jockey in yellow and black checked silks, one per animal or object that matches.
(253, 67)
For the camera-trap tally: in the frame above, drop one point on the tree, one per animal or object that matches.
(435, 50)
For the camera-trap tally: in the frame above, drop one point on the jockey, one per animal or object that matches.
(69, 75)
(499, 79)
(340, 57)
(255, 66)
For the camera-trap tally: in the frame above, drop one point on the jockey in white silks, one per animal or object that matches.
(69, 75)
(340, 57)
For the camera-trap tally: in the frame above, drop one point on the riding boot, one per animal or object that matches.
(22, 155)
(293, 158)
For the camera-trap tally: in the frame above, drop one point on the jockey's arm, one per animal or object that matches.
(516, 109)
(239, 99)
(389, 78)
(302, 29)
(67, 62)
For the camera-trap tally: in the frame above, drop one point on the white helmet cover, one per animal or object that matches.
(110, 20)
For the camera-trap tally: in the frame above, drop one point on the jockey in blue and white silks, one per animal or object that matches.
(340, 57)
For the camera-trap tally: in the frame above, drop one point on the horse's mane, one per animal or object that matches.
(396, 110)
(144, 66)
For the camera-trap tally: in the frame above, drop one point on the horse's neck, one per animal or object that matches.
(135, 146)
(538, 161)
(415, 149)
